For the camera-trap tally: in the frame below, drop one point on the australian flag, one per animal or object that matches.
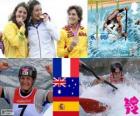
(65, 87)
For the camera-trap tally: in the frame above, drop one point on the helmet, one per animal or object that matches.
(27, 71)
(116, 65)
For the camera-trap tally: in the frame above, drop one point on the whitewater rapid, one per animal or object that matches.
(114, 99)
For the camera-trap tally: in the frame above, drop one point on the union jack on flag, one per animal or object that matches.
(58, 82)
(25, 71)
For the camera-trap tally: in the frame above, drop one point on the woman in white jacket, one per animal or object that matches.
(41, 33)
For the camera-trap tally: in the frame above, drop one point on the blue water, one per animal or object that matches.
(120, 48)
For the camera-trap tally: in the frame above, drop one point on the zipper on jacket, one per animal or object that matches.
(39, 42)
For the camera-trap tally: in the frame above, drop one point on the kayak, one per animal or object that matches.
(100, 99)
(92, 106)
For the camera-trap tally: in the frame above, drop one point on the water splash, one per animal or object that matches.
(107, 48)
(104, 94)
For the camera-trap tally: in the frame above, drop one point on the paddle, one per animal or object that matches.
(88, 68)
(126, 23)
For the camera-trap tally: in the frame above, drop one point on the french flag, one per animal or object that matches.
(66, 67)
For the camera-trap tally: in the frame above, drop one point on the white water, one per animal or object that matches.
(115, 100)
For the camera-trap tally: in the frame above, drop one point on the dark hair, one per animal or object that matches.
(31, 5)
(116, 65)
(13, 16)
(78, 10)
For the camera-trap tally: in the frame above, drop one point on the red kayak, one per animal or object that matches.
(92, 106)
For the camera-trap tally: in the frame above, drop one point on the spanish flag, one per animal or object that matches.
(66, 106)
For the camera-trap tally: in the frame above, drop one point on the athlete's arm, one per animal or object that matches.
(122, 9)
(50, 96)
(50, 93)
(98, 81)
(102, 79)
(113, 15)
(49, 69)
(123, 34)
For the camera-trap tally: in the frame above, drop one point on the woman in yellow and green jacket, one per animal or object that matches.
(73, 37)
(15, 33)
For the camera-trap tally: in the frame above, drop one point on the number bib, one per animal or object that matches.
(24, 105)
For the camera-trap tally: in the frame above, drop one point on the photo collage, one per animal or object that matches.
(70, 58)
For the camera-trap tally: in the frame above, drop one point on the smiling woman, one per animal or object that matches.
(15, 33)
(73, 37)
(42, 33)
(47, 6)
(27, 85)
(52, 7)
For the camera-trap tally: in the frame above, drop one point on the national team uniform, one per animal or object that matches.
(66, 37)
